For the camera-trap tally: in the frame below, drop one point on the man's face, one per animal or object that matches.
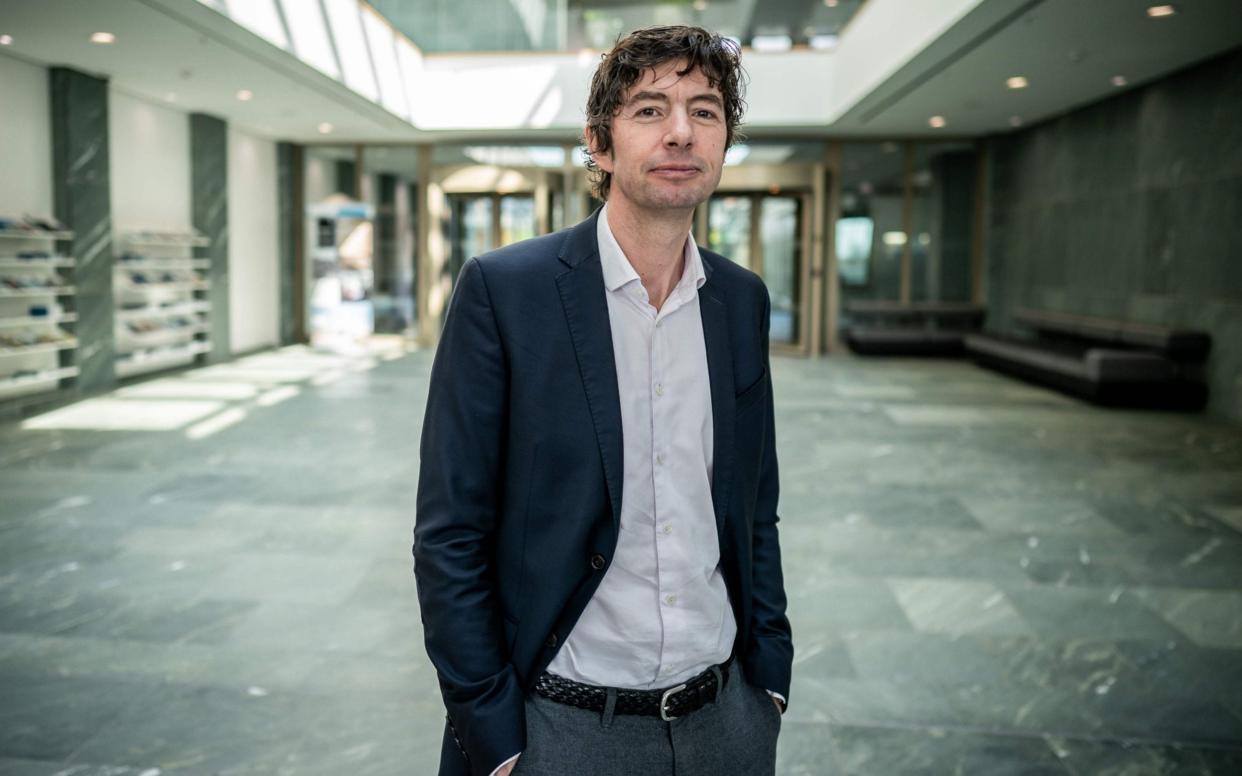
(668, 141)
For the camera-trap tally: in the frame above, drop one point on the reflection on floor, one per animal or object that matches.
(985, 578)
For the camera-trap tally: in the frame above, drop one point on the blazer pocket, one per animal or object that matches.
(753, 392)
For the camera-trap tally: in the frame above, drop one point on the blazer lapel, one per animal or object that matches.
(586, 309)
(720, 375)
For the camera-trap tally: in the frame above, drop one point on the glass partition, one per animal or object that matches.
(780, 232)
(728, 224)
(388, 183)
(869, 235)
(763, 232)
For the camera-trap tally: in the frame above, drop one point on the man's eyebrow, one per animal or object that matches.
(647, 95)
(662, 97)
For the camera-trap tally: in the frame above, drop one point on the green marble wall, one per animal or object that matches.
(1130, 208)
(289, 203)
(83, 201)
(345, 182)
(954, 174)
(209, 200)
(386, 236)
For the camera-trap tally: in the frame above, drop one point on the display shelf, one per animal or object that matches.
(45, 347)
(48, 291)
(149, 339)
(43, 376)
(199, 285)
(37, 320)
(157, 254)
(145, 240)
(186, 308)
(43, 364)
(53, 262)
(34, 234)
(146, 361)
(160, 262)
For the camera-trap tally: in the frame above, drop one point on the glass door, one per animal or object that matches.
(479, 223)
(765, 233)
(728, 225)
(780, 233)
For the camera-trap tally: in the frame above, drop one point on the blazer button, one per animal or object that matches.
(551, 642)
(597, 562)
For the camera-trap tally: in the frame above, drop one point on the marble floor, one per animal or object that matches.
(209, 574)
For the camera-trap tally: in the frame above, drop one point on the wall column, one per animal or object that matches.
(291, 213)
(819, 203)
(209, 207)
(832, 280)
(385, 263)
(81, 175)
(571, 200)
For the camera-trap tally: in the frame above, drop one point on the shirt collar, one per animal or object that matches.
(617, 268)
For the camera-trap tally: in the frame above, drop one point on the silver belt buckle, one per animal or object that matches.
(670, 692)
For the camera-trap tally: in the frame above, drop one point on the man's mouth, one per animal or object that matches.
(674, 170)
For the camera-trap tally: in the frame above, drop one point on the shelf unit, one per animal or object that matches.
(140, 361)
(33, 293)
(172, 326)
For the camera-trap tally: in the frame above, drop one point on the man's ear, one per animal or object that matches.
(602, 160)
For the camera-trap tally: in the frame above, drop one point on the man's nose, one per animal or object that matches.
(679, 132)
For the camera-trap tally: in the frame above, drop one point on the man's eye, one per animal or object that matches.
(706, 114)
(646, 111)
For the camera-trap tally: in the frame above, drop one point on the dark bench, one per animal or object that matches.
(910, 329)
(1108, 361)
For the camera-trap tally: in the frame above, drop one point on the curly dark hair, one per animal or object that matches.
(714, 56)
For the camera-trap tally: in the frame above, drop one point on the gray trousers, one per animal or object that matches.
(736, 736)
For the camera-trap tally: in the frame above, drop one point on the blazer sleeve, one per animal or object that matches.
(770, 652)
(458, 507)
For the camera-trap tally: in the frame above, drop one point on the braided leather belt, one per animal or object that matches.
(667, 704)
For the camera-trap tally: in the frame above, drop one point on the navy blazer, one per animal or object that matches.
(519, 490)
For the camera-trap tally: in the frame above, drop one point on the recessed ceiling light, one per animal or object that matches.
(245, 95)
(700, 5)
(830, 3)
(937, 121)
(1156, 11)
(325, 128)
(6, 40)
(1017, 82)
(823, 42)
(1015, 121)
(103, 38)
(1119, 80)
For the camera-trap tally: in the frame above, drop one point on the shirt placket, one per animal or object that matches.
(663, 478)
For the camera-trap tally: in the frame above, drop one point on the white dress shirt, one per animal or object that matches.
(661, 613)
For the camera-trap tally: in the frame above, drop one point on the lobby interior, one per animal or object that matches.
(1002, 242)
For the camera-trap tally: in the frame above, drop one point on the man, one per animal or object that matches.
(596, 547)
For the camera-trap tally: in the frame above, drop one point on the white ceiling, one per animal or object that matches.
(1067, 49)
(183, 48)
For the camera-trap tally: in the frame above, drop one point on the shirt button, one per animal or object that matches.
(670, 599)
(660, 458)
(668, 529)
(659, 389)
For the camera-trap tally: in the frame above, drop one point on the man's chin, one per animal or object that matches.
(683, 199)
